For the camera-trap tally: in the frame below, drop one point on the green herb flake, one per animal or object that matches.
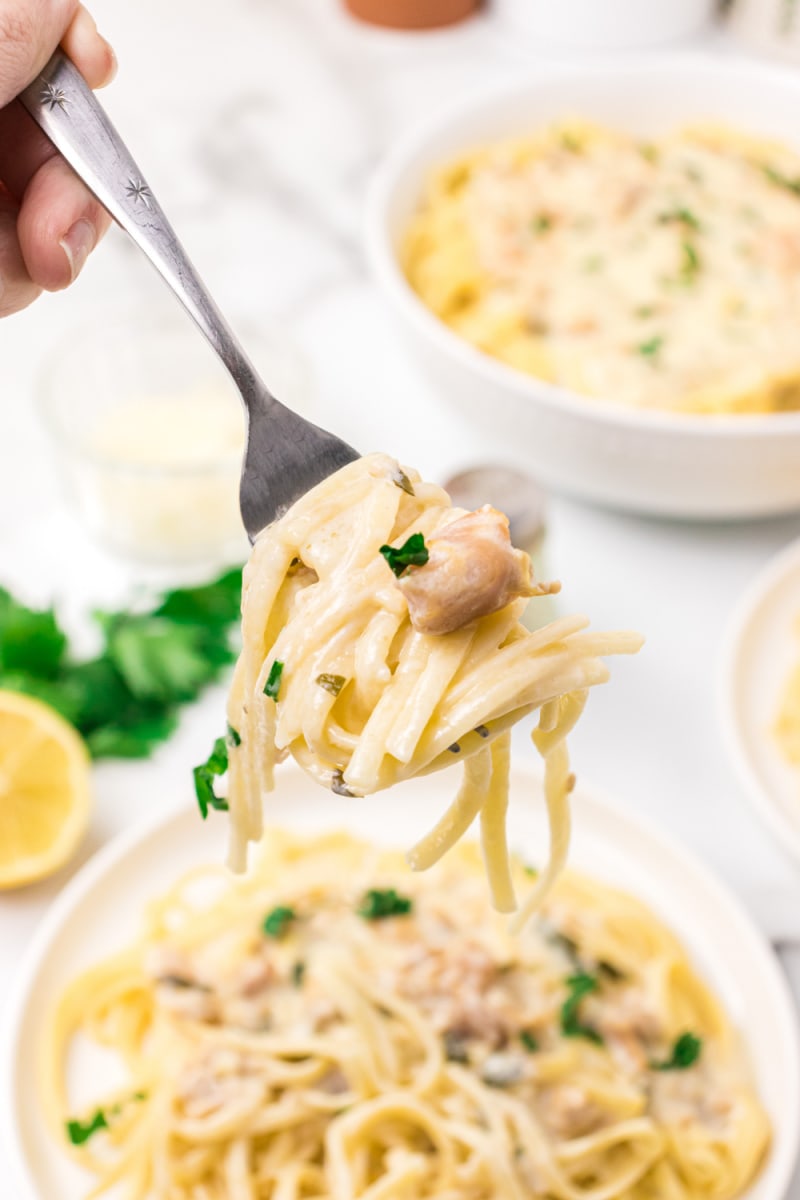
(413, 553)
(644, 311)
(277, 922)
(651, 347)
(541, 223)
(298, 973)
(379, 903)
(679, 216)
(234, 737)
(685, 1053)
(401, 480)
(783, 181)
(273, 685)
(215, 764)
(691, 262)
(528, 1041)
(579, 985)
(79, 1132)
(331, 683)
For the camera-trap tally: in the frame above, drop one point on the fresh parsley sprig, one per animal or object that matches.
(413, 553)
(273, 685)
(216, 764)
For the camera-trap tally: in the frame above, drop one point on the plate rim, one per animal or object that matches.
(783, 1163)
(742, 620)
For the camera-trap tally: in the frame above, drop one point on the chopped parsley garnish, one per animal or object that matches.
(413, 553)
(691, 262)
(783, 181)
(644, 311)
(541, 223)
(215, 764)
(651, 347)
(277, 921)
(579, 985)
(402, 481)
(273, 685)
(298, 973)
(379, 903)
(454, 748)
(331, 683)
(604, 967)
(234, 738)
(528, 1041)
(126, 699)
(679, 216)
(79, 1132)
(685, 1053)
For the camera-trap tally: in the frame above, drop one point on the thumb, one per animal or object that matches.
(30, 30)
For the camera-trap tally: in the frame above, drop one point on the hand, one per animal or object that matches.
(49, 222)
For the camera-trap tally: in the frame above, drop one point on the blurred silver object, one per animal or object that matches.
(284, 455)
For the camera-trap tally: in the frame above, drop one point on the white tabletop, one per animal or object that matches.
(258, 133)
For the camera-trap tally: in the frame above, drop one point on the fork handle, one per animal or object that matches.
(62, 103)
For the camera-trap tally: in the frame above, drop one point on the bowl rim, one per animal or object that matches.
(385, 265)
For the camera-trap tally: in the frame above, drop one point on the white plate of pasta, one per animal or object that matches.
(485, 230)
(760, 695)
(407, 1099)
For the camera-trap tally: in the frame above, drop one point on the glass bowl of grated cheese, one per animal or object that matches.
(149, 431)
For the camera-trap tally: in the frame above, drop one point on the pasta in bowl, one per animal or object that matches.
(593, 368)
(332, 1028)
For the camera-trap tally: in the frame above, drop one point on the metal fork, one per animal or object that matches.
(284, 454)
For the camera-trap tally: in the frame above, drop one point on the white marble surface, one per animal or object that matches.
(257, 124)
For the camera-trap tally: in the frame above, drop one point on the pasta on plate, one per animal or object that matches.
(382, 640)
(330, 1027)
(658, 275)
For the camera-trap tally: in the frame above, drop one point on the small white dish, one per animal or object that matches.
(100, 911)
(651, 461)
(760, 647)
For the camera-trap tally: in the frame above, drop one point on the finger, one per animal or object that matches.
(91, 53)
(59, 225)
(17, 289)
(29, 33)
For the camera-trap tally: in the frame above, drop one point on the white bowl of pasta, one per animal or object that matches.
(695, 428)
(132, 1113)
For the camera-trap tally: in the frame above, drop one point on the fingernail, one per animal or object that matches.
(78, 244)
(112, 71)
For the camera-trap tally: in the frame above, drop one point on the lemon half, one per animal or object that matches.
(45, 790)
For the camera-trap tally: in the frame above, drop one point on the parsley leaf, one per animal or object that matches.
(30, 641)
(273, 685)
(79, 1132)
(541, 223)
(691, 262)
(277, 921)
(685, 1053)
(379, 903)
(579, 985)
(528, 1040)
(215, 764)
(651, 347)
(298, 973)
(413, 553)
